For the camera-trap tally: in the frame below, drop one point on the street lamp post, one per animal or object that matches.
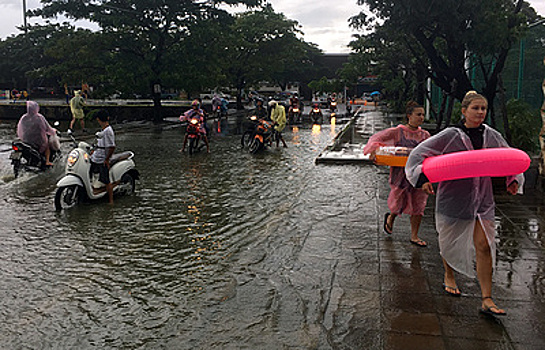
(24, 17)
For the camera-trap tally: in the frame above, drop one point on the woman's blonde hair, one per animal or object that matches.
(472, 96)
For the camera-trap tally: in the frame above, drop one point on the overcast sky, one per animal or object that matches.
(325, 22)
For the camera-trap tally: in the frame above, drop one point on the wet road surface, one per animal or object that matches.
(230, 250)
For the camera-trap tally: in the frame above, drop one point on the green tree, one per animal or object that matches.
(461, 40)
(145, 33)
(263, 45)
(23, 58)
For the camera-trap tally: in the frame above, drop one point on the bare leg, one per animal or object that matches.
(449, 280)
(48, 156)
(205, 138)
(82, 123)
(72, 123)
(484, 267)
(185, 143)
(416, 220)
(110, 190)
(390, 221)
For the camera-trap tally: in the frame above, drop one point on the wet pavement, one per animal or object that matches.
(234, 251)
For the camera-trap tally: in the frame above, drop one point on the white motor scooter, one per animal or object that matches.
(79, 184)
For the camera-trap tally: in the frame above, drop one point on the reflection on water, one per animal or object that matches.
(151, 266)
(219, 250)
(333, 125)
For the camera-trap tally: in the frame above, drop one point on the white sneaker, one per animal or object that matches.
(69, 131)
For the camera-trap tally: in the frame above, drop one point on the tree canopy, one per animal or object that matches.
(460, 45)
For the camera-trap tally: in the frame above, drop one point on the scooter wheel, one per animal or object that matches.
(67, 197)
(127, 185)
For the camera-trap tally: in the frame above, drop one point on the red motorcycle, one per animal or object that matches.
(194, 135)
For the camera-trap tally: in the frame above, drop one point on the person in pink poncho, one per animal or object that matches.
(403, 197)
(34, 129)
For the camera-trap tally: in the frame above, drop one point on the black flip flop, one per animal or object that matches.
(388, 231)
(417, 243)
(451, 293)
(488, 311)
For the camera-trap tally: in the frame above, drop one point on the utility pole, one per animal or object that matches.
(24, 17)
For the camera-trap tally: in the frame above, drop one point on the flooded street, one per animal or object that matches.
(230, 250)
(205, 253)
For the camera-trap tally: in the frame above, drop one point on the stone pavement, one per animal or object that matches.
(415, 312)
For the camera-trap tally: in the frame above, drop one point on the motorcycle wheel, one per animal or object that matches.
(16, 167)
(67, 197)
(246, 138)
(255, 146)
(127, 184)
(193, 145)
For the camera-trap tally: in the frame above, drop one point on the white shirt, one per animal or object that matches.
(107, 140)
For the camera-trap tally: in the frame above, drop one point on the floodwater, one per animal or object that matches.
(201, 256)
(229, 250)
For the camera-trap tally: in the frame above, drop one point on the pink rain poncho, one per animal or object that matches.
(34, 129)
(403, 197)
(460, 203)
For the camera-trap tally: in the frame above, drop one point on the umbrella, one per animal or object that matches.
(374, 93)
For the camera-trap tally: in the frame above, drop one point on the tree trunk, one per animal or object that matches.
(441, 112)
(503, 110)
(240, 105)
(450, 105)
(542, 133)
(156, 96)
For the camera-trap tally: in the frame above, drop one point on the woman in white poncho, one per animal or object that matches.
(464, 211)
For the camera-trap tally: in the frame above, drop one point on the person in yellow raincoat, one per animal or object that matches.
(76, 107)
(278, 116)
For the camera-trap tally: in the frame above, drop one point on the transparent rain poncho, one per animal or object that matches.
(460, 203)
(33, 128)
(403, 197)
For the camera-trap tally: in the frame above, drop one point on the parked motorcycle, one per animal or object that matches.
(78, 184)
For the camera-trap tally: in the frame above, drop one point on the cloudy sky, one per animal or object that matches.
(324, 22)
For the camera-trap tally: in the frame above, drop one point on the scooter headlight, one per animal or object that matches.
(72, 158)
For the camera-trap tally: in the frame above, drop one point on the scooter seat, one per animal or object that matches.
(120, 156)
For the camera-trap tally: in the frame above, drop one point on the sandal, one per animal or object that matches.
(456, 292)
(387, 228)
(488, 309)
(419, 243)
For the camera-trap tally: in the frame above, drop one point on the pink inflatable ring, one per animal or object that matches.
(493, 162)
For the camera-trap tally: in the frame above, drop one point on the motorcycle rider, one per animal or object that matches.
(34, 129)
(294, 103)
(195, 112)
(260, 112)
(316, 115)
(220, 102)
(278, 116)
(100, 157)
